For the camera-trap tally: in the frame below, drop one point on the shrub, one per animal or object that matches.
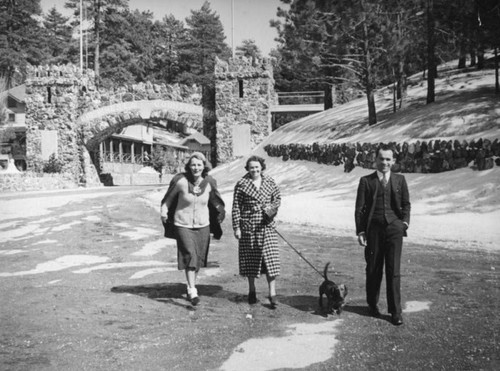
(53, 165)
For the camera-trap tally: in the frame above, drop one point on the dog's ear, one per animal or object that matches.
(343, 290)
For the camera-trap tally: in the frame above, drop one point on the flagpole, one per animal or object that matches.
(86, 40)
(232, 26)
(81, 36)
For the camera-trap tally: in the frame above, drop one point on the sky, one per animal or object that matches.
(251, 17)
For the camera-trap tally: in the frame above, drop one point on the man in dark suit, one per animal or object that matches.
(382, 217)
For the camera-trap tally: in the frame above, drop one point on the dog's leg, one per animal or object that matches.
(321, 299)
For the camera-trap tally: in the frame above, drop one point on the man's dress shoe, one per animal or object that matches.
(397, 319)
(373, 310)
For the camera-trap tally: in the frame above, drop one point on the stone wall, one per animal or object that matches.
(29, 181)
(244, 93)
(124, 179)
(435, 156)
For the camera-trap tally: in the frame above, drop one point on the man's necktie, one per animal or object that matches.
(385, 180)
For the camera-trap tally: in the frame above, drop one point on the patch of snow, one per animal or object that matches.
(154, 247)
(303, 345)
(148, 272)
(120, 266)
(416, 306)
(11, 252)
(63, 262)
(138, 233)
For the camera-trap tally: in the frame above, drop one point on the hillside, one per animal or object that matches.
(466, 107)
(456, 209)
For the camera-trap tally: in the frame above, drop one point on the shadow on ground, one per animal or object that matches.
(173, 292)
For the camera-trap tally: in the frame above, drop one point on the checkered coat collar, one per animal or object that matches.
(266, 188)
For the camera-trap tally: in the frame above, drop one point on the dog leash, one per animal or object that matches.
(298, 253)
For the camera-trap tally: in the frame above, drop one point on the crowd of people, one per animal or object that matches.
(432, 156)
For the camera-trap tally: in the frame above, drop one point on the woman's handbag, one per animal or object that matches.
(169, 229)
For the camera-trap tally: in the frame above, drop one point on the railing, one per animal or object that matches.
(122, 158)
(301, 97)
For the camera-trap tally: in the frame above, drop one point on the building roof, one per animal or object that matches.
(166, 138)
(199, 137)
(18, 93)
(167, 143)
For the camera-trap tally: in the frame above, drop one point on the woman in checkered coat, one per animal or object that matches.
(255, 203)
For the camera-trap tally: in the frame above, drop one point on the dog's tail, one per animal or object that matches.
(325, 271)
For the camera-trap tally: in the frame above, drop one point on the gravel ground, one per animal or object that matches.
(88, 283)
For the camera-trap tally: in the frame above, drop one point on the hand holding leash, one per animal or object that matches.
(237, 233)
(362, 238)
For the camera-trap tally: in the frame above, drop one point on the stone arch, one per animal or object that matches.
(102, 122)
(64, 102)
(95, 126)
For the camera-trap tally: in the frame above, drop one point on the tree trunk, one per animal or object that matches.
(480, 57)
(472, 58)
(329, 96)
(372, 112)
(431, 58)
(463, 46)
(497, 84)
(461, 62)
(401, 88)
(394, 88)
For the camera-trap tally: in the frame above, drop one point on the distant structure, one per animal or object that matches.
(244, 94)
(13, 134)
(83, 126)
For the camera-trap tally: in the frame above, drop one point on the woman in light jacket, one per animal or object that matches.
(194, 206)
(255, 203)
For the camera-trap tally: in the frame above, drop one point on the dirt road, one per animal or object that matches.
(88, 283)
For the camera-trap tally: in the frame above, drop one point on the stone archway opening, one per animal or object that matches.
(121, 146)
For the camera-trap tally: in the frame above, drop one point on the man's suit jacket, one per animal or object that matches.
(366, 197)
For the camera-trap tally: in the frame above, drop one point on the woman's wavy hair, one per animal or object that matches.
(256, 159)
(199, 156)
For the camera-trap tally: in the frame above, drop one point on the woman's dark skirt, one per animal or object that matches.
(192, 247)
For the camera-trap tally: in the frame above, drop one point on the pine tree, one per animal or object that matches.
(20, 38)
(249, 49)
(142, 43)
(57, 37)
(205, 41)
(170, 34)
(116, 57)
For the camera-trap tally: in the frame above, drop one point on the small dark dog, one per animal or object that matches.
(335, 294)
